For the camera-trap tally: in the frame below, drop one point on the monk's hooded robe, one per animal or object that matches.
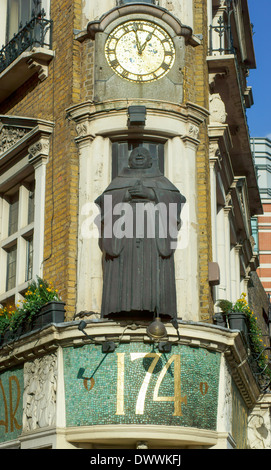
(138, 270)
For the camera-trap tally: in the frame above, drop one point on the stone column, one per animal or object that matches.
(38, 157)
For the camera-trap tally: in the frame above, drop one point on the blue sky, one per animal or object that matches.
(259, 115)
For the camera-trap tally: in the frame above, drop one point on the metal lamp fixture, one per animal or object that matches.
(156, 329)
(107, 346)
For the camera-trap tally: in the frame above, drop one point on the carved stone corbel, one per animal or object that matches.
(83, 132)
(39, 151)
(42, 68)
(192, 134)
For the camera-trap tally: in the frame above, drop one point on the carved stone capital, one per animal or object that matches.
(193, 131)
(192, 135)
(84, 136)
(82, 129)
(39, 150)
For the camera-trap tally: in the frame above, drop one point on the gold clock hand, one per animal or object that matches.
(148, 38)
(138, 45)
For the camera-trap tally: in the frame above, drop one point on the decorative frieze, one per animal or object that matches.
(10, 136)
(39, 397)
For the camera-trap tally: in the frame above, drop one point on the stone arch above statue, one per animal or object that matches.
(153, 11)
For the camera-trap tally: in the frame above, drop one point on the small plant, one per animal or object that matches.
(39, 292)
(6, 314)
(255, 333)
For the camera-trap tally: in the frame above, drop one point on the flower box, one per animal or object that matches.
(239, 321)
(52, 312)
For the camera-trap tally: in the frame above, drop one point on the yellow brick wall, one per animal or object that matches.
(49, 100)
(70, 81)
(196, 89)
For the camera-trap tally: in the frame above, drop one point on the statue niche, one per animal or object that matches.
(139, 222)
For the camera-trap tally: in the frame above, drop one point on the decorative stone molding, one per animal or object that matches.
(217, 109)
(194, 334)
(153, 11)
(23, 135)
(39, 150)
(193, 132)
(39, 398)
(178, 120)
(9, 136)
(259, 425)
(42, 68)
(24, 67)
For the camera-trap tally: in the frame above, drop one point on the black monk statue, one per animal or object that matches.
(140, 218)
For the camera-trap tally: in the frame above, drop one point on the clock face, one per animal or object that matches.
(140, 51)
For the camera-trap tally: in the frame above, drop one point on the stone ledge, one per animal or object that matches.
(131, 434)
(24, 67)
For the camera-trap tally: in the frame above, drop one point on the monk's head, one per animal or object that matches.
(140, 158)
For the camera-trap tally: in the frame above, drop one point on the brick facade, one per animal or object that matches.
(200, 72)
(49, 100)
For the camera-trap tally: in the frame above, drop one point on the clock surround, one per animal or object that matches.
(140, 51)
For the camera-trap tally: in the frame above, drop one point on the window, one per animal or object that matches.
(22, 203)
(17, 237)
(121, 151)
(29, 259)
(13, 214)
(31, 204)
(18, 14)
(11, 267)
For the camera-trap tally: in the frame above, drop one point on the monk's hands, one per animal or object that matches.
(140, 191)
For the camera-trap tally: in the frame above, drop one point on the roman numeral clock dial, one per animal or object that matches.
(140, 51)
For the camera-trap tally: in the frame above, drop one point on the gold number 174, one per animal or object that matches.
(140, 404)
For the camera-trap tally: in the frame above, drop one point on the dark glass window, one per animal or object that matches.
(31, 205)
(29, 259)
(13, 214)
(11, 267)
(121, 151)
(18, 14)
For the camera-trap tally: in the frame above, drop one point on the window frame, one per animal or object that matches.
(22, 170)
(21, 20)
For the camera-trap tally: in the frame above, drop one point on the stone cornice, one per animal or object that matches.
(153, 11)
(158, 435)
(88, 115)
(24, 135)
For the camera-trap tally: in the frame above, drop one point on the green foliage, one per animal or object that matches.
(225, 305)
(255, 334)
(39, 292)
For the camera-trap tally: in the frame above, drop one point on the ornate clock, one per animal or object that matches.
(140, 51)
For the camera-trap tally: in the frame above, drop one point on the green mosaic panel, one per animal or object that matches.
(239, 418)
(11, 404)
(138, 385)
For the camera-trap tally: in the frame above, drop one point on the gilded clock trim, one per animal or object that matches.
(140, 51)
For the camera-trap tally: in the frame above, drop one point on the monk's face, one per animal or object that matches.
(140, 160)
